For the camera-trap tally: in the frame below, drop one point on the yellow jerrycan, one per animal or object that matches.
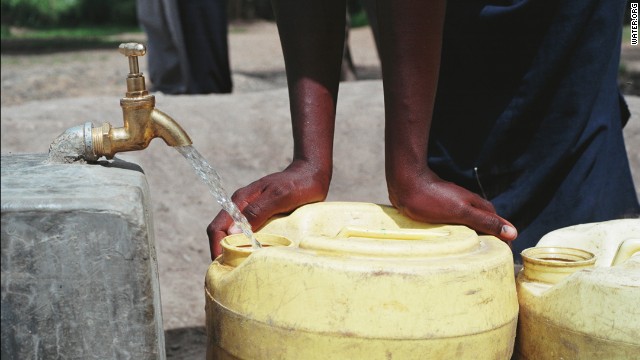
(360, 281)
(579, 293)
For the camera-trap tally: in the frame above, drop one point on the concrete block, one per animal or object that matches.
(79, 269)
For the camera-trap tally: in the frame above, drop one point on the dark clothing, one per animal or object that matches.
(187, 45)
(204, 25)
(528, 111)
(166, 54)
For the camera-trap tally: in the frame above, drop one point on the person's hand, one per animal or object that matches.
(424, 196)
(282, 192)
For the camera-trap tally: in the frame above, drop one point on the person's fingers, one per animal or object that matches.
(258, 203)
(216, 231)
(274, 200)
(221, 222)
(215, 247)
(508, 232)
(466, 212)
(234, 229)
(482, 204)
(273, 194)
(489, 223)
(244, 196)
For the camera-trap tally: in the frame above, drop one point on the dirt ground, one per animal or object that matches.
(254, 50)
(64, 89)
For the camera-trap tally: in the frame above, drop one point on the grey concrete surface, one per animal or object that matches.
(79, 269)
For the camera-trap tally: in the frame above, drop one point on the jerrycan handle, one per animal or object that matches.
(392, 234)
(434, 241)
(626, 250)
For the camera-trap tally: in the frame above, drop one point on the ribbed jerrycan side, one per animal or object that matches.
(360, 281)
(579, 294)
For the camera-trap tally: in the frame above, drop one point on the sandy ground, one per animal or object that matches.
(244, 135)
(254, 50)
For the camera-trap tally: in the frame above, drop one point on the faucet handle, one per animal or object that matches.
(135, 81)
(132, 51)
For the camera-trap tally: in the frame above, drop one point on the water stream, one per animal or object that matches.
(210, 177)
(69, 147)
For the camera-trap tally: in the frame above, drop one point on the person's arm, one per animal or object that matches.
(411, 37)
(312, 38)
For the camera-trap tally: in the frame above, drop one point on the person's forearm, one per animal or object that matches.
(312, 38)
(411, 38)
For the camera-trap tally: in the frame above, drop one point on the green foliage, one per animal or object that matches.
(78, 32)
(122, 12)
(48, 13)
(359, 19)
(5, 32)
(357, 13)
(54, 39)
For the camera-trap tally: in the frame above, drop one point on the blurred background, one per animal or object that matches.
(35, 27)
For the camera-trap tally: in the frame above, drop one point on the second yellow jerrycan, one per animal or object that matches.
(579, 293)
(360, 281)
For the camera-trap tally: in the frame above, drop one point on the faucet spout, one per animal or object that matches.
(168, 129)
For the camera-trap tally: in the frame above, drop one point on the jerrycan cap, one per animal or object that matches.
(552, 264)
(237, 247)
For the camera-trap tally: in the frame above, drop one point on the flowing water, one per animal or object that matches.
(210, 177)
(69, 147)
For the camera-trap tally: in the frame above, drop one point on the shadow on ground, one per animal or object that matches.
(186, 343)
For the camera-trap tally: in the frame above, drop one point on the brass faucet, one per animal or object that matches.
(142, 121)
